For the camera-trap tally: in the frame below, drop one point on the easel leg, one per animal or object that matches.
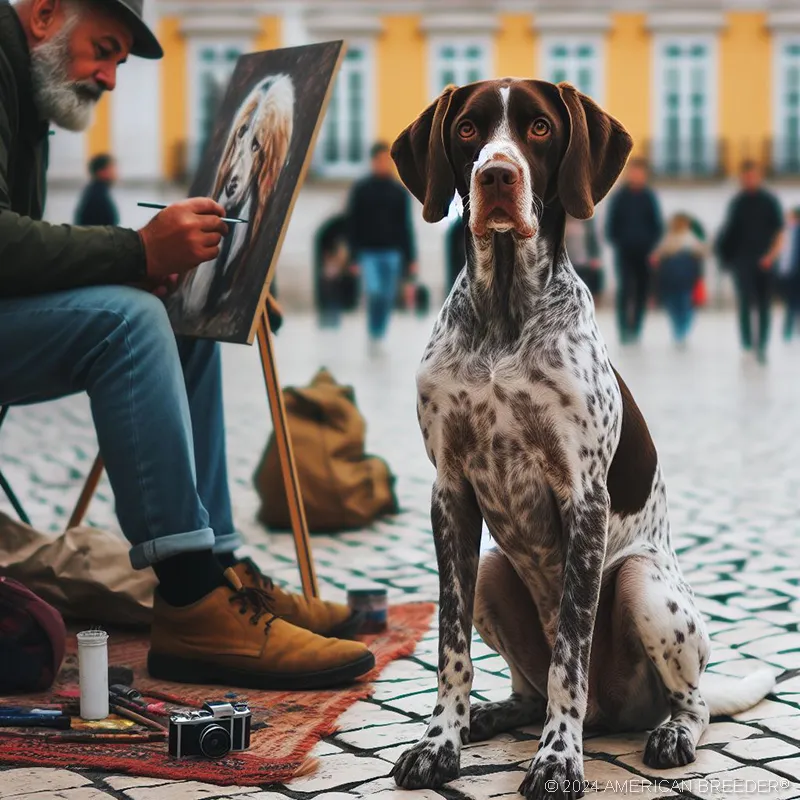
(291, 482)
(87, 493)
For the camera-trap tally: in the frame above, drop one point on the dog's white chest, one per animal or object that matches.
(478, 414)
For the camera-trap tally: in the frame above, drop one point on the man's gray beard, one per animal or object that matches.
(68, 104)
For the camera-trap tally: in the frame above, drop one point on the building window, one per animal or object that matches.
(577, 61)
(684, 141)
(457, 61)
(786, 147)
(346, 135)
(213, 64)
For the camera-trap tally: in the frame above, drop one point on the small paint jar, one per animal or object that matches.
(93, 673)
(371, 599)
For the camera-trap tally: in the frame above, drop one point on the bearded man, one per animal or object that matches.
(77, 313)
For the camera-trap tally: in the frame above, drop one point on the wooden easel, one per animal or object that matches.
(291, 482)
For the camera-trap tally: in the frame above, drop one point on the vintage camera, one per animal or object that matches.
(214, 731)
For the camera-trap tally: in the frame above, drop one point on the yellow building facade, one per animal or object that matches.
(700, 86)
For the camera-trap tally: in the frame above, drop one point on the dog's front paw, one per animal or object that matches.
(554, 776)
(427, 765)
(669, 745)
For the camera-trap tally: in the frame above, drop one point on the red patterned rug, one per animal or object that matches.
(288, 724)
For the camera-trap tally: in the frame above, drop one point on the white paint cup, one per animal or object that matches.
(93, 671)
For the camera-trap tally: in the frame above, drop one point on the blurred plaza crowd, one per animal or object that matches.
(369, 250)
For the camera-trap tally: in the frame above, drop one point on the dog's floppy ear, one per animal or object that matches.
(420, 153)
(596, 153)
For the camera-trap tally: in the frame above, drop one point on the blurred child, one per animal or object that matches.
(678, 263)
(789, 269)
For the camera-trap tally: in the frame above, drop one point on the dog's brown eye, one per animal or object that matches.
(466, 130)
(541, 127)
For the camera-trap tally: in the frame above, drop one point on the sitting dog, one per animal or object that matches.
(531, 430)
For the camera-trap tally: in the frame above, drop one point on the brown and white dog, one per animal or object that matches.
(531, 430)
(254, 156)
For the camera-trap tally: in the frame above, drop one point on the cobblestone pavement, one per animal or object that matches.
(728, 432)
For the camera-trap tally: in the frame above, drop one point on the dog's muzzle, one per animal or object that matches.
(499, 185)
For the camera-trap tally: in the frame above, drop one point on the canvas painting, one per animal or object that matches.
(253, 167)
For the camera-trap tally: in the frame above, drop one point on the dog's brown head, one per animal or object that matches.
(507, 147)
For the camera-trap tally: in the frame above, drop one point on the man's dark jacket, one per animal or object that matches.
(753, 221)
(36, 256)
(96, 207)
(634, 225)
(379, 217)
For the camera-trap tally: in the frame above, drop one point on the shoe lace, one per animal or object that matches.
(257, 601)
(267, 584)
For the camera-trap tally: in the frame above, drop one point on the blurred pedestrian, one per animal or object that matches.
(381, 239)
(678, 261)
(749, 243)
(633, 227)
(455, 252)
(333, 264)
(96, 206)
(789, 269)
(583, 247)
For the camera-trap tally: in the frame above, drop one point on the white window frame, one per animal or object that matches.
(711, 125)
(547, 63)
(780, 68)
(195, 111)
(350, 169)
(461, 41)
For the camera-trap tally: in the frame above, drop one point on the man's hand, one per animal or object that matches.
(410, 295)
(183, 236)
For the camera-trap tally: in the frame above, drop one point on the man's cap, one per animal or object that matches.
(145, 44)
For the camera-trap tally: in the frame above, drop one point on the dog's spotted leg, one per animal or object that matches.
(674, 637)
(488, 719)
(557, 770)
(456, 522)
(508, 621)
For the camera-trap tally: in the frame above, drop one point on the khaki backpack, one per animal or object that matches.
(342, 487)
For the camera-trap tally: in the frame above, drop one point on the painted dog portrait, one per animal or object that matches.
(255, 153)
(253, 168)
(533, 433)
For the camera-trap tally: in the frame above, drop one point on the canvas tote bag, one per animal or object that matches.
(342, 487)
(85, 573)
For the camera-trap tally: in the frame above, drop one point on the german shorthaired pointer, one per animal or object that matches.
(531, 430)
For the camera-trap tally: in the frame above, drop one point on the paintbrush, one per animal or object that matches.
(232, 220)
(126, 713)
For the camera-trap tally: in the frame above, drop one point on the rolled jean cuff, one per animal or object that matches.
(148, 553)
(228, 543)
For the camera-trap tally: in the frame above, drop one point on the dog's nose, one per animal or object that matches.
(499, 173)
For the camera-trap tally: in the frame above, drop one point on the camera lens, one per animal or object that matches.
(215, 742)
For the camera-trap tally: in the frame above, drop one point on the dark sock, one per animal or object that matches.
(188, 577)
(226, 560)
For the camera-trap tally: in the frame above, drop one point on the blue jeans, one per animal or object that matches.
(156, 402)
(678, 305)
(381, 272)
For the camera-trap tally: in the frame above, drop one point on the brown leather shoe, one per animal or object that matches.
(232, 637)
(318, 616)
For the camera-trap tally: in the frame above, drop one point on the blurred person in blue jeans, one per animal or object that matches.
(678, 263)
(789, 270)
(381, 238)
